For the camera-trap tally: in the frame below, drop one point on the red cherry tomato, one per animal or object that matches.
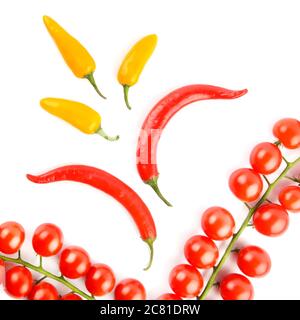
(217, 223)
(43, 291)
(47, 240)
(100, 280)
(201, 252)
(271, 220)
(130, 289)
(70, 296)
(169, 296)
(186, 281)
(18, 282)
(12, 236)
(265, 158)
(236, 287)
(289, 197)
(2, 271)
(246, 184)
(74, 262)
(288, 132)
(254, 261)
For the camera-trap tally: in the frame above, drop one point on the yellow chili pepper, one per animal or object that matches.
(75, 55)
(77, 114)
(134, 63)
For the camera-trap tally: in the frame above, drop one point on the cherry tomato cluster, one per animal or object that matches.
(74, 263)
(218, 224)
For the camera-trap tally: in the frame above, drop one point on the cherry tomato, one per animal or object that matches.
(289, 197)
(236, 287)
(265, 158)
(130, 289)
(43, 291)
(71, 296)
(169, 296)
(217, 223)
(271, 220)
(254, 261)
(2, 271)
(201, 252)
(18, 282)
(74, 262)
(47, 240)
(12, 236)
(246, 184)
(100, 280)
(288, 132)
(186, 281)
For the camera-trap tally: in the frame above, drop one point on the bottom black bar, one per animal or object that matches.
(103, 309)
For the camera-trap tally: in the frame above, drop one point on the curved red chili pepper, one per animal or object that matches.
(158, 118)
(114, 187)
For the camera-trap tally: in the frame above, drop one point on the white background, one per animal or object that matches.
(234, 44)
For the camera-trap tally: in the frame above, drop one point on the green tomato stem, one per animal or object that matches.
(47, 274)
(244, 225)
(294, 179)
(40, 280)
(285, 160)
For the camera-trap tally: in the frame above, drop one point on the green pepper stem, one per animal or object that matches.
(149, 242)
(153, 184)
(46, 274)
(126, 89)
(245, 224)
(102, 133)
(92, 81)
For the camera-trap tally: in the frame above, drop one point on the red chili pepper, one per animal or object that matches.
(114, 187)
(158, 118)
